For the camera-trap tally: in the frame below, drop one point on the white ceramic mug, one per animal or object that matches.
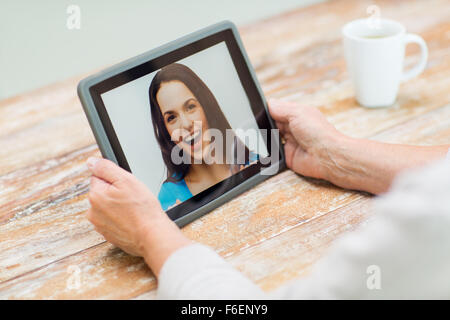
(374, 55)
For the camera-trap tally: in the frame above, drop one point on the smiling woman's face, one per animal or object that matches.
(184, 117)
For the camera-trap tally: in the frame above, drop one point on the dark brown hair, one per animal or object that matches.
(212, 110)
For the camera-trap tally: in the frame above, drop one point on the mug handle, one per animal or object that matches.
(415, 71)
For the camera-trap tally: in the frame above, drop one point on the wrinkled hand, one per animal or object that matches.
(308, 135)
(129, 216)
(123, 209)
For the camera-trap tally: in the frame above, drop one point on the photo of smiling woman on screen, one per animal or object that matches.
(184, 111)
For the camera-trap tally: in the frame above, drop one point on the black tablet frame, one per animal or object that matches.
(91, 89)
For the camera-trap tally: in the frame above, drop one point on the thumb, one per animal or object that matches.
(106, 170)
(281, 110)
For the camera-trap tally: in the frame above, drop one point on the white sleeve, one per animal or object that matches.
(197, 272)
(403, 252)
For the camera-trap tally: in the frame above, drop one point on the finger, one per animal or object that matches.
(106, 170)
(297, 159)
(98, 185)
(97, 189)
(89, 214)
(289, 152)
(290, 138)
(281, 126)
(104, 233)
(101, 221)
(95, 218)
(281, 110)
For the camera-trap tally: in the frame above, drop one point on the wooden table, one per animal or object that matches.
(272, 233)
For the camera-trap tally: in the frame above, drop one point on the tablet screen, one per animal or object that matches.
(186, 129)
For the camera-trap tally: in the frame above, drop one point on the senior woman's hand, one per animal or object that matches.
(316, 149)
(129, 216)
(309, 138)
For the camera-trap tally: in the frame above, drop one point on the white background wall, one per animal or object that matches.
(36, 48)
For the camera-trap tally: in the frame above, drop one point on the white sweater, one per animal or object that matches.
(403, 252)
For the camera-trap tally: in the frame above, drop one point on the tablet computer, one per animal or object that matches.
(188, 119)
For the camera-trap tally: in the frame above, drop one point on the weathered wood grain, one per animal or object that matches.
(45, 139)
(292, 254)
(106, 272)
(315, 67)
(42, 125)
(45, 184)
(278, 39)
(100, 269)
(268, 273)
(432, 128)
(53, 233)
(415, 98)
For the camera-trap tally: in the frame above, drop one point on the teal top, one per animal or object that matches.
(170, 191)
